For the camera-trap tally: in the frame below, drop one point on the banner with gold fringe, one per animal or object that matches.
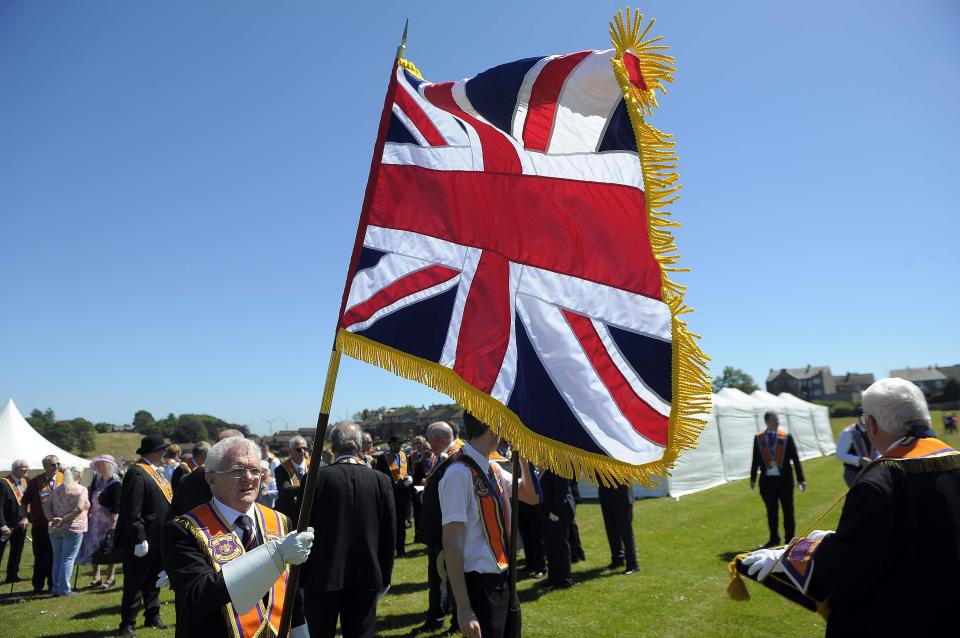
(514, 252)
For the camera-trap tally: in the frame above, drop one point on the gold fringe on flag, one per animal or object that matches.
(691, 385)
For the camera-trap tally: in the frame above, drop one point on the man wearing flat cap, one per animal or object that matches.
(145, 501)
(393, 463)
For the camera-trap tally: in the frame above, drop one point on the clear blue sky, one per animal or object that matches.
(180, 183)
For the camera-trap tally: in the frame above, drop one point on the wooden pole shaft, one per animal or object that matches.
(513, 631)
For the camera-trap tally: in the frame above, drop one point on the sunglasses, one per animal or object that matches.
(301, 449)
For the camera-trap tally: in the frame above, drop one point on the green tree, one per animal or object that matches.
(734, 378)
(62, 434)
(144, 423)
(42, 422)
(84, 435)
(103, 427)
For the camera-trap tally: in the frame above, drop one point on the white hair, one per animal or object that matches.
(293, 440)
(897, 405)
(14, 465)
(70, 476)
(439, 430)
(223, 452)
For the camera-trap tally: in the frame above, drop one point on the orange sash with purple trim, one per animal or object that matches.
(398, 469)
(46, 490)
(490, 502)
(220, 544)
(158, 478)
(775, 455)
(912, 448)
(17, 487)
(292, 470)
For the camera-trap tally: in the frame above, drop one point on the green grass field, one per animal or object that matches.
(684, 546)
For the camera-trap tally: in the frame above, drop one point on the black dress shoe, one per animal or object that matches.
(617, 564)
(127, 631)
(773, 542)
(157, 623)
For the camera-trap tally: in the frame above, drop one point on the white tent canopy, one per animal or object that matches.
(18, 440)
(820, 415)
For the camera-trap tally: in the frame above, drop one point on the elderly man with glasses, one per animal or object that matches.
(228, 559)
(291, 475)
(891, 567)
(13, 523)
(39, 489)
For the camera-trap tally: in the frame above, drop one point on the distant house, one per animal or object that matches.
(850, 386)
(930, 379)
(812, 382)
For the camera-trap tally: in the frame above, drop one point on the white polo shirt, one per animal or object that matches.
(458, 504)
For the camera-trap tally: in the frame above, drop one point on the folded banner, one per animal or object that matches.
(513, 252)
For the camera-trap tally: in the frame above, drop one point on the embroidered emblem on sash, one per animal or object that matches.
(224, 548)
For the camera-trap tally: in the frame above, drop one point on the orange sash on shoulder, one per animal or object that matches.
(220, 544)
(158, 478)
(776, 454)
(913, 448)
(46, 491)
(18, 487)
(490, 499)
(292, 470)
(398, 468)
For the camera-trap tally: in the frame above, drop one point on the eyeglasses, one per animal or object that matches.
(240, 473)
(301, 449)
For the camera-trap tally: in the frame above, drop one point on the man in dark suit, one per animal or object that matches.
(616, 505)
(250, 543)
(193, 488)
(291, 475)
(195, 461)
(354, 520)
(145, 497)
(39, 489)
(775, 456)
(557, 507)
(393, 463)
(13, 523)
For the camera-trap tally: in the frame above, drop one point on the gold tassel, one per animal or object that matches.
(404, 63)
(736, 589)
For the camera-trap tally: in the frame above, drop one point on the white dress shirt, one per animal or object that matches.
(230, 515)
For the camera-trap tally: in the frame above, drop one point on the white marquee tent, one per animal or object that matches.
(725, 448)
(18, 440)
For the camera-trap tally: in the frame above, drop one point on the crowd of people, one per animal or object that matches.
(219, 523)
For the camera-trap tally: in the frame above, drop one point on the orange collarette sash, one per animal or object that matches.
(220, 544)
(775, 455)
(45, 491)
(18, 487)
(158, 478)
(492, 508)
(910, 448)
(292, 470)
(398, 470)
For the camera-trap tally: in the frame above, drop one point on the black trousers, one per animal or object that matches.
(778, 492)
(140, 584)
(42, 558)
(489, 596)
(437, 609)
(356, 609)
(576, 547)
(530, 525)
(17, 537)
(558, 547)
(616, 505)
(401, 499)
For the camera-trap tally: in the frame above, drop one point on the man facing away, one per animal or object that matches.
(475, 506)
(39, 489)
(854, 449)
(227, 559)
(145, 497)
(13, 522)
(774, 454)
(290, 476)
(891, 567)
(354, 518)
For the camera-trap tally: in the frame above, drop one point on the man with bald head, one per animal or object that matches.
(13, 524)
(353, 517)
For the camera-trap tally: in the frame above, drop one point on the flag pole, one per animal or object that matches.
(323, 420)
(513, 613)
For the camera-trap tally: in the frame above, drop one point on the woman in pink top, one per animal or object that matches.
(66, 509)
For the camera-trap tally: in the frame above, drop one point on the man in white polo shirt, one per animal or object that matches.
(475, 503)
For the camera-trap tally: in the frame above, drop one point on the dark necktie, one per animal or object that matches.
(247, 534)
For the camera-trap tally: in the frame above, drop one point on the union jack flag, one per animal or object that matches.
(505, 246)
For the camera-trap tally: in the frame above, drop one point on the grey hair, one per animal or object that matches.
(70, 476)
(346, 438)
(439, 430)
(294, 439)
(201, 449)
(46, 460)
(17, 462)
(220, 454)
(897, 405)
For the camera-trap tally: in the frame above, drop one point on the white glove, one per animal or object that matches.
(819, 534)
(553, 517)
(294, 548)
(140, 549)
(300, 632)
(763, 561)
(162, 580)
(407, 482)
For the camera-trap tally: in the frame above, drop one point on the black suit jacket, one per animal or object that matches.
(10, 509)
(383, 466)
(200, 591)
(557, 494)
(354, 522)
(288, 495)
(143, 511)
(791, 462)
(192, 490)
